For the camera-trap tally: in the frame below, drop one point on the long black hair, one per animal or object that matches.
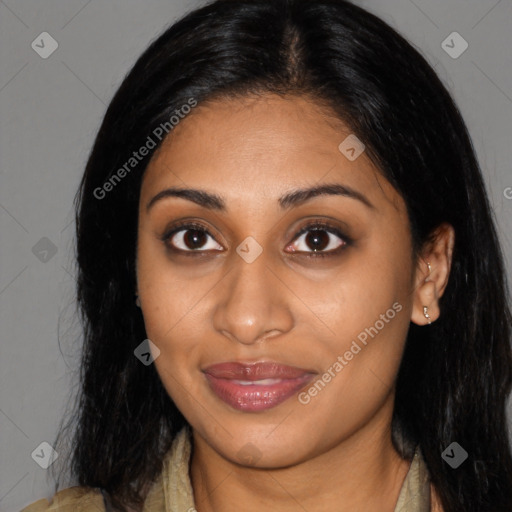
(455, 375)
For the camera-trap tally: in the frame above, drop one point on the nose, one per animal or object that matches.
(252, 302)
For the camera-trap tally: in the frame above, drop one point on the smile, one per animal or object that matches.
(256, 386)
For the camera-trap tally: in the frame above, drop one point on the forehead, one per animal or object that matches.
(261, 147)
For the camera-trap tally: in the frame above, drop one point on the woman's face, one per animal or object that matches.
(243, 286)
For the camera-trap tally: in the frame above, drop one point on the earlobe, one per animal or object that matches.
(426, 306)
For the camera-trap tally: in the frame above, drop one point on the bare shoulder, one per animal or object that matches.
(72, 499)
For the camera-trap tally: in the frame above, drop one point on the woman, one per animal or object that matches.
(291, 284)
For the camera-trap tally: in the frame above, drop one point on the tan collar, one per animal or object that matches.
(178, 494)
(415, 493)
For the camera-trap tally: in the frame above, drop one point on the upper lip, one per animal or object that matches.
(255, 371)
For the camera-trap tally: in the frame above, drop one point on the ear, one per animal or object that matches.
(430, 284)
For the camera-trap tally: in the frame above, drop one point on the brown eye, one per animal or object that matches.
(190, 238)
(319, 239)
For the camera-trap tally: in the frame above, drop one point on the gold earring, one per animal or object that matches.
(426, 315)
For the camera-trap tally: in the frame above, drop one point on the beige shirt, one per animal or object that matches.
(172, 492)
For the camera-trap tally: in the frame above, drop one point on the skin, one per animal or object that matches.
(334, 453)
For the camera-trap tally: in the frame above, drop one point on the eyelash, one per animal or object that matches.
(313, 226)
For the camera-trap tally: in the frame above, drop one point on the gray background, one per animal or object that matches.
(50, 110)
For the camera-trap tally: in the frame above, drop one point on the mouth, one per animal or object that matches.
(252, 387)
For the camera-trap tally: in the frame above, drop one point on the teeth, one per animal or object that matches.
(264, 382)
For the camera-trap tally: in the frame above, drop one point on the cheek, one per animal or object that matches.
(174, 306)
(160, 284)
(366, 308)
(360, 366)
(342, 305)
(163, 297)
(172, 323)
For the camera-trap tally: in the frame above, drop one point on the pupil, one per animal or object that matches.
(315, 242)
(194, 238)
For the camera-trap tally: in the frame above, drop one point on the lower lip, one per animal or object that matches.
(255, 397)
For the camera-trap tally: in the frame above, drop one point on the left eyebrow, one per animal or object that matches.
(294, 198)
(300, 196)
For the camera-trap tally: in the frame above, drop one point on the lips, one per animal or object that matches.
(255, 371)
(256, 386)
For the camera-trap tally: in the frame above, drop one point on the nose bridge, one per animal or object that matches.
(252, 304)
